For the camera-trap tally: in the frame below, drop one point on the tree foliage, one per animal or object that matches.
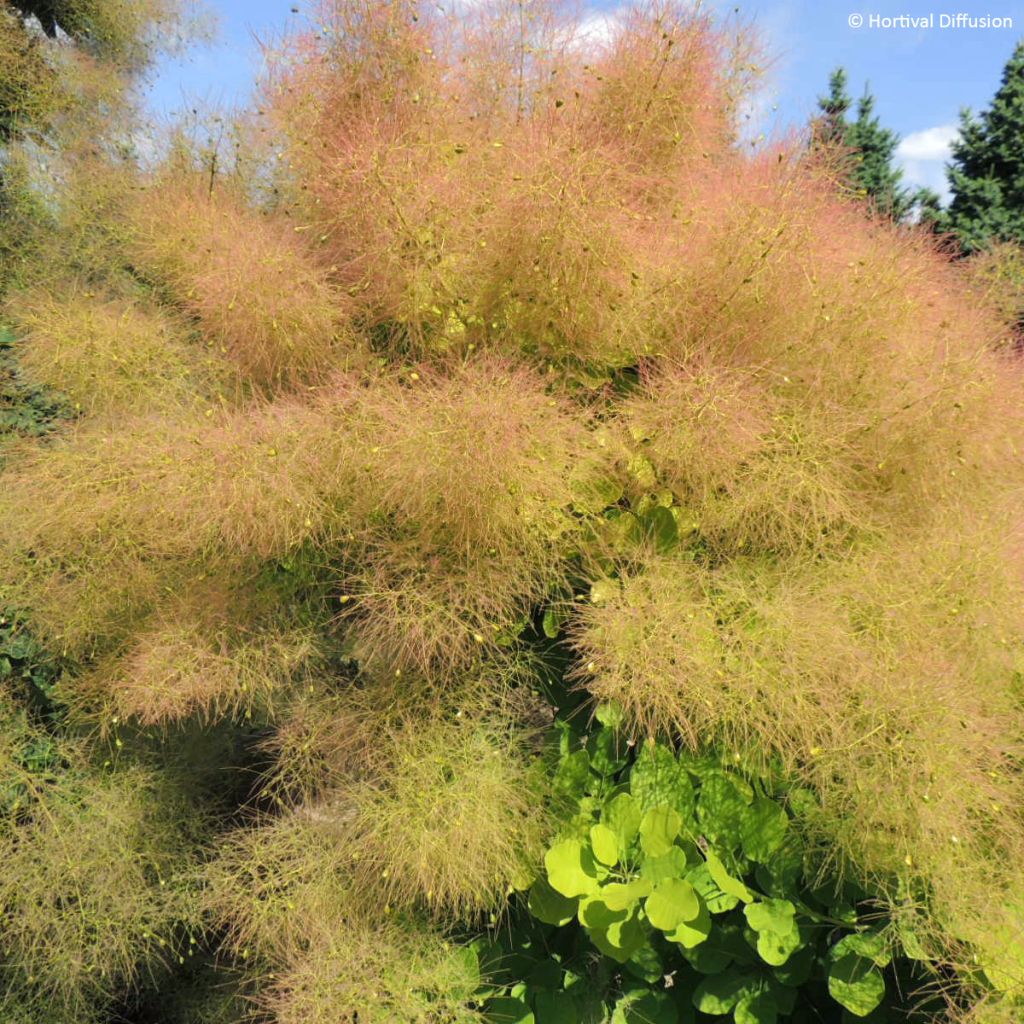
(986, 175)
(869, 149)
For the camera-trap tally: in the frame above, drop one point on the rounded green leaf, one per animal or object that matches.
(621, 895)
(610, 714)
(778, 935)
(770, 915)
(871, 945)
(657, 778)
(597, 914)
(605, 844)
(621, 939)
(856, 983)
(690, 934)
(622, 816)
(755, 1008)
(718, 902)
(671, 903)
(658, 830)
(660, 526)
(719, 993)
(763, 829)
(549, 906)
(573, 774)
(571, 868)
(673, 864)
(552, 622)
(650, 1007)
(729, 885)
(776, 948)
(724, 808)
(607, 750)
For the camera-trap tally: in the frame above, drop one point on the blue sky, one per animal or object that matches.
(921, 76)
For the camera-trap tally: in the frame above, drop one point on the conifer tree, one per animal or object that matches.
(987, 171)
(871, 146)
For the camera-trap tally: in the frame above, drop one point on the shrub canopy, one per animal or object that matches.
(490, 382)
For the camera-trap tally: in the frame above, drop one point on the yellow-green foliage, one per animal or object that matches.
(248, 278)
(211, 651)
(461, 510)
(121, 31)
(465, 784)
(29, 89)
(285, 892)
(390, 975)
(516, 299)
(999, 274)
(93, 891)
(110, 356)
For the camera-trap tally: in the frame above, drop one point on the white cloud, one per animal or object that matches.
(597, 30)
(923, 156)
(930, 144)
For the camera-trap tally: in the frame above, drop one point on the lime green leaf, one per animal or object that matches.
(645, 1008)
(719, 993)
(571, 868)
(554, 1008)
(718, 902)
(658, 830)
(549, 906)
(610, 714)
(673, 864)
(660, 526)
(658, 778)
(596, 914)
(763, 829)
(870, 944)
(605, 843)
(607, 751)
(729, 885)
(671, 903)
(756, 1008)
(692, 933)
(625, 895)
(770, 916)
(856, 983)
(621, 939)
(778, 935)
(622, 816)
(552, 622)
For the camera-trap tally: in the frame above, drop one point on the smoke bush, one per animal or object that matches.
(508, 388)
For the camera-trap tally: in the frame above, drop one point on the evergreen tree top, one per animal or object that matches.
(986, 174)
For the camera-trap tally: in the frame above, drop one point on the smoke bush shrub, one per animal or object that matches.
(496, 386)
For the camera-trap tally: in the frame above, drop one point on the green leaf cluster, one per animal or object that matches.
(680, 890)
